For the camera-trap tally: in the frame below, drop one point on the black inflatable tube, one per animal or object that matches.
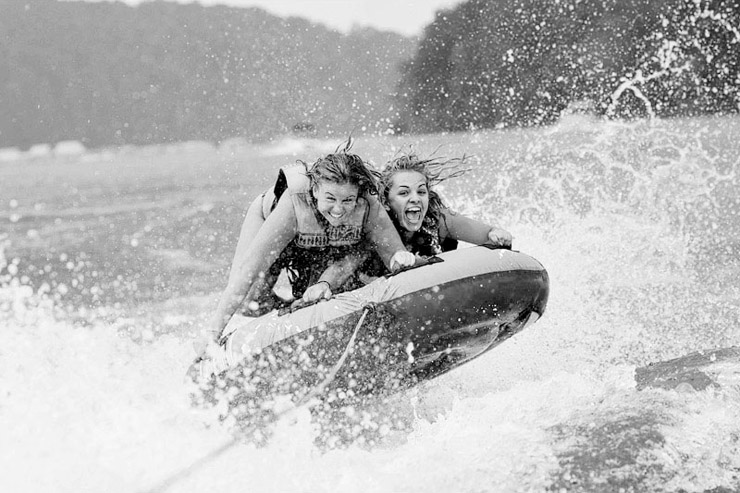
(414, 326)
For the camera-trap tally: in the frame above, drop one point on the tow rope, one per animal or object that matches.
(165, 484)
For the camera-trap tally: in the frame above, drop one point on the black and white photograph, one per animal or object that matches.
(370, 246)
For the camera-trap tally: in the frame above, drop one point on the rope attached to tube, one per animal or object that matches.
(214, 454)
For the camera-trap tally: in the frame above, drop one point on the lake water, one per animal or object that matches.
(111, 264)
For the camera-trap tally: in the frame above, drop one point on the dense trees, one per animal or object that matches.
(108, 73)
(521, 62)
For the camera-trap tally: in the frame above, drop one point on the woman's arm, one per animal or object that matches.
(382, 235)
(385, 238)
(463, 228)
(253, 221)
(335, 275)
(254, 257)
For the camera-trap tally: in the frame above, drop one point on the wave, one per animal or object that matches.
(637, 224)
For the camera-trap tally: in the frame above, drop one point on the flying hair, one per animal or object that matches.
(435, 169)
(343, 166)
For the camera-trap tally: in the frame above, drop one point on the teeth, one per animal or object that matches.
(413, 215)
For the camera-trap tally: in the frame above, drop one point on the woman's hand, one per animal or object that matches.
(319, 291)
(212, 361)
(500, 237)
(402, 259)
(204, 340)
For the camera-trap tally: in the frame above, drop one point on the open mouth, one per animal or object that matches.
(413, 214)
(334, 218)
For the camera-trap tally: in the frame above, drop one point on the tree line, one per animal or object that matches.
(491, 63)
(109, 73)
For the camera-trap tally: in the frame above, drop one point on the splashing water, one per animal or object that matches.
(637, 224)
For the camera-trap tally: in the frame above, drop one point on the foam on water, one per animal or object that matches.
(622, 216)
(86, 408)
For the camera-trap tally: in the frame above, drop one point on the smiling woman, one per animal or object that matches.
(408, 198)
(426, 225)
(335, 201)
(308, 224)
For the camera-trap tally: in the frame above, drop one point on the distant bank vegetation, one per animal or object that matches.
(495, 63)
(112, 74)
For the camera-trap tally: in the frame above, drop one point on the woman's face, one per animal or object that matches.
(408, 199)
(335, 201)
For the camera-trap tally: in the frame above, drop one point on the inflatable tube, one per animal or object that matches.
(387, 336)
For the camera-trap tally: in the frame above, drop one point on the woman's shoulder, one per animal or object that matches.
(292, 179)
(443, 214)
(301, 198)
(445, 219)
(443, 210)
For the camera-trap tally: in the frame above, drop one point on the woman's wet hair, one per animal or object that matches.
(343, 166)
(434, 169)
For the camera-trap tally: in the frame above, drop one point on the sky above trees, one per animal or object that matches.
(407, 17)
